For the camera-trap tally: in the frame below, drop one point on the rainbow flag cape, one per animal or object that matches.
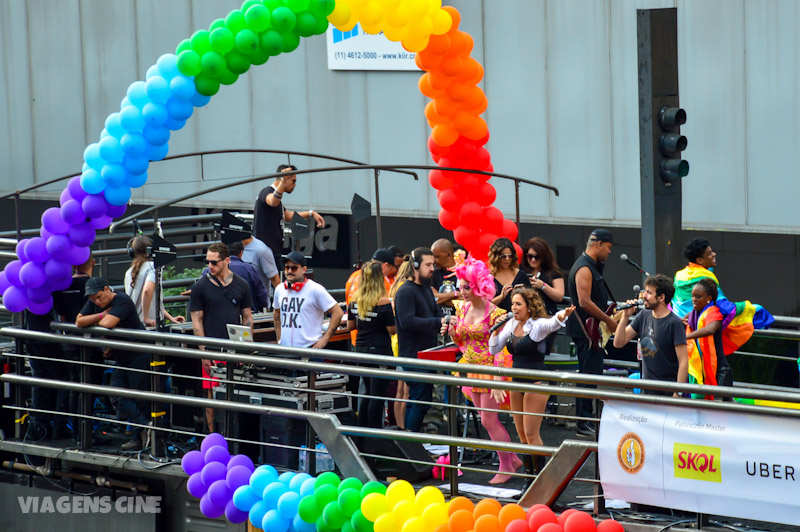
(703, 351)
(685, 279)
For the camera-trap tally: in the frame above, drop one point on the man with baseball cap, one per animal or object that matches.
(299, 307)
(590, 295)
(109, 309)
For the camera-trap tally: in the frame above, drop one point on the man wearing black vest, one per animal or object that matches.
(590, 295)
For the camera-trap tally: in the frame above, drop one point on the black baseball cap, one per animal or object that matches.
(297, 258)
(95, 285)
(383, 255)
(602, 235)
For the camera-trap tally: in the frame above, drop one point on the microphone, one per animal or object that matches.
(636, 303)
(637, 288)
(625, 258)
(500, 323)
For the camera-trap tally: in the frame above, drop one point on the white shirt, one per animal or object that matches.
(302, 313)
(259, 255)
(147, 273)
(537, 329)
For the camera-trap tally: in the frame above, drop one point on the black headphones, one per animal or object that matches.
(129, 247)
(414, 263)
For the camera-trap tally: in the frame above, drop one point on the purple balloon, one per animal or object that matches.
(59, 283)
(238, 476)
(75, 190)
(32, 275)
(20, 249)
(59, 246)
(241, 460)
(82, 234)
(192, 462)
(58, 269)
(40, 309)
(39, 295)
(3, 282)
(235, 515)
(78, 255)
(12, 273)
(215, 438)
(101, 223)
(213, 472)
(218, 453)
(195, 486)
(15, 299)
(44, 233)
(94, 205)
(36, 250)
(115, 211)
(53, 222)
(209, 509)
(65, 196)
(219, 493)
(72, 212)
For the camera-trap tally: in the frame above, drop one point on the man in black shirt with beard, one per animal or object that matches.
(419, 320)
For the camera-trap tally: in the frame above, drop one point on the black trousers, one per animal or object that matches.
(371, 410)
(590, 361)
(45, 398)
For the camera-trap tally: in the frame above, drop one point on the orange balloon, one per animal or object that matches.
(469, 69)
(432, 116)
(428, 61)
(487, 507)
(510, 512)
(438, 79)
(470, 43)
(442, 528)
(452, 65)
(458, 44)
(461, 521)
(463, 121)
(426, 89)
(445, 106)
(460, 503)
(477, 130)
(455, 15)
(458, 92)
(439, 44)
(487, 523)
(444, 134)
(475, 101)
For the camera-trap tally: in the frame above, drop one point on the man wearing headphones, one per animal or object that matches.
(419, 319)
(299, 306)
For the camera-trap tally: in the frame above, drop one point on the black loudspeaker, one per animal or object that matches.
(282, 431)
(384, 466)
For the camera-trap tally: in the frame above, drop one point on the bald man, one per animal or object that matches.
(443, 258)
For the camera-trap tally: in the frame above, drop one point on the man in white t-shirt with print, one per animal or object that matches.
(299, 307)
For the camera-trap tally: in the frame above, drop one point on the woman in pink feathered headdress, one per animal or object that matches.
(475, 315)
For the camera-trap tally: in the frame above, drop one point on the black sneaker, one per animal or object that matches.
(587, 429)
(132, 445)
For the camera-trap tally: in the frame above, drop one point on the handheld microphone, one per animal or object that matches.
(624, 258)
(636, 303)
(500, 323)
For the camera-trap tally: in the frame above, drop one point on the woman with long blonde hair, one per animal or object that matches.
(504, 265)
(140, 283)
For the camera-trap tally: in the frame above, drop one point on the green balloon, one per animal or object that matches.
(184, 45)
(272, 4)
(306, 24)
(325, 494)
(218, 23)
(373, 487)
(328, 477)
(322, 7)
(349, 501)
(296, 5)
(322, 527)
(283, 19)
(246, 41)
(290, 42)
(322, 25)
(308, 509)
(228, 78)
(350, 483)
(221, 40)
(347, 527)
(271, 42)
(189, 63)
(259, 57)
(235, 21)
(205, 85)
(237, 63)
(361, 523)
(333, 516)
(257, 18)
(212, 64)
(247, 4)
(200, 41)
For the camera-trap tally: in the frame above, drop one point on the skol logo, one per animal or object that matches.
(697, 462)
(630, 453)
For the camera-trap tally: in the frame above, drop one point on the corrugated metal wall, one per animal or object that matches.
(561, 82)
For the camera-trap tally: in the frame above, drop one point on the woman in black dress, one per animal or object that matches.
(546, 277)
(504, 265)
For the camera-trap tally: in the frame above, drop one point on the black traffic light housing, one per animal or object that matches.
(671, 143)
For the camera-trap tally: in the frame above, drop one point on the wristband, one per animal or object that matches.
(277, 194)
(310, 213)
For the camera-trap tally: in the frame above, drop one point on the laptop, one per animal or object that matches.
(239, 333)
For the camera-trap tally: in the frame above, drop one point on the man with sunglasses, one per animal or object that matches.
(219, 298)
(299, 307)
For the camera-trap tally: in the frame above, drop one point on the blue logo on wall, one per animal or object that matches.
(339, 36)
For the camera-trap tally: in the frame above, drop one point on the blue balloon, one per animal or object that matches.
(136, 181)
(200, 100)
(273, 522)
(125, 102)
(118, 194)
(182, 87)
(131, 118)
(154, 113)
(179, 109)
(156, 135)
(92, 156)
(135, 165)
(307, 487)
(151, 72)
(137, 94)
(244, 498)
(110, 149)
(297, 481)
(112, 174)
(168, 66)
(273, 492)
(261, 477)
(286, 477)
(257, 512)
(173, 124)
(113, 126)
(103, 133)
(157, 89)
(133, 144)
(288, 504)
(301, 526)
(92, 182)
(156, 153)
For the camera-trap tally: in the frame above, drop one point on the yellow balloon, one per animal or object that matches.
(415, 43)
(399, 490)
(435, 515)
(435, 4)
(386, 523)
(369, 28)
(349, 25)
(394, 34)
(397, 18)
(389, 5)
(340, 14)
(372, 14)
(442, 22)
(417, 8)
(356, 4)
(427, 496)
(415, 524)
(375, 505)
(404, 510)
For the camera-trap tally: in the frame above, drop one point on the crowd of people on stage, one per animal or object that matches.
(503, 312)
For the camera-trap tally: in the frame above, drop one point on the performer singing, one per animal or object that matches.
(525, 337)
(475, 315)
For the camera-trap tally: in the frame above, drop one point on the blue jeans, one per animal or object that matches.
(415, 412)
(132, 410)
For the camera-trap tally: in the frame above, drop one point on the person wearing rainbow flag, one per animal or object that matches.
(701, 261)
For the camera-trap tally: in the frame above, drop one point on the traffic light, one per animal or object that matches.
(671, 143)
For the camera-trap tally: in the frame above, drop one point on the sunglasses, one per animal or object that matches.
(291, 267)
(507, 256)
(531, 256)
(214, 262)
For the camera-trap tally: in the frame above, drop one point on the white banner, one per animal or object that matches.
(731, 464)
(356, 50)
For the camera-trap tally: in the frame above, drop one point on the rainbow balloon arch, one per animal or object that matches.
(178, 83)
(233, 487)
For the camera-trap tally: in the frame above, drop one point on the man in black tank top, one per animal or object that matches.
(589, 294)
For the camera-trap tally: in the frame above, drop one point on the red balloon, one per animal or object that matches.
(550, 527)
(486, 240)
(439, 180)
(466, 236)
(436, 149)
(493, 219)
(511, 231)
(486, 195)
(579, 522)
(609, 525)
(518, 249)
(449, 200)
(520, 525)
(563, 517)
(471, 215)
(540, 517)
(448, 219)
